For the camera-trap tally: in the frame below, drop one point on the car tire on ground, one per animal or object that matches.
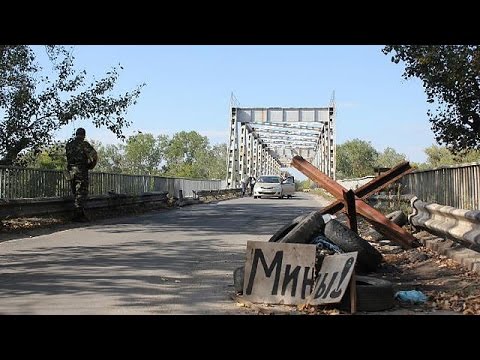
(285, 229)
(306, 230)
(397, 217)
(368, 257)
(372, 295)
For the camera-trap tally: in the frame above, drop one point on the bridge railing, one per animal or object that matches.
(454, 185)
(18, 183)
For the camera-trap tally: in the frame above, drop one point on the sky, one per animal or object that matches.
(189, 87)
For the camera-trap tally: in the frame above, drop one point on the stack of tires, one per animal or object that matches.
(303, 229)
(372, 294)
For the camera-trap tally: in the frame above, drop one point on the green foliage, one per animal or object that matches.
(389, 158)
(35, 106)
(143, 154)
(16, 62)
(323, 193)
(110, 157)
(355, 158)
(441, 156)
(469, 156)
(214, 161)
(451, 78)
(186, 154)
(304, 184)
(48, 157)
(419, 166)
(299, 185)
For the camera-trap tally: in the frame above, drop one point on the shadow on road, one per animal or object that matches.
(255, 218)
(137, 274)
(168, 261)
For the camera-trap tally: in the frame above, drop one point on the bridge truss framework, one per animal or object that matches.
(264, 140)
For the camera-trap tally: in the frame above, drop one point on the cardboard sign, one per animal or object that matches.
(333, 278)
(279, 273)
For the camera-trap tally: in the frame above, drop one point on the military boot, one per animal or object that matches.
(80, 216)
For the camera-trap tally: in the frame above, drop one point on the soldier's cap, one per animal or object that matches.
(80, 132)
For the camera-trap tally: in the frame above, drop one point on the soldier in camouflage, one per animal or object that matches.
(81, 157)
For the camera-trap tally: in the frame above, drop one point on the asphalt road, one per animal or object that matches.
(176, 261)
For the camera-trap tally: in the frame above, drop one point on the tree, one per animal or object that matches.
(214, 161)
(389, 158)
(110, 157)
(144, 154)
(469, 156)
(441, 156)
(184, 155)
(304, 184)
(48, 157)
(419, 165)
(355, 158)
(16, 62)
(35, 106)
(451, 78)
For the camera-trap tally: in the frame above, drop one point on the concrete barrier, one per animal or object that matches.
(44, 206)
(457, 224)
(355, 183)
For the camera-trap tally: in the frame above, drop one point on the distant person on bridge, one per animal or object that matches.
(252, 182)
(243, 184)
(81, 157)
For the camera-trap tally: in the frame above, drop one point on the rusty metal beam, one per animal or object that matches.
(385, 226)
(349, 197)
(383, 180)
(373, 186)
(373, 216)
(334, 207)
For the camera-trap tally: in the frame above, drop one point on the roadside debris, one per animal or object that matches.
(411, 296)
(395, 259)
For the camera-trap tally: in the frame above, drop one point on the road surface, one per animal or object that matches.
(176, 261)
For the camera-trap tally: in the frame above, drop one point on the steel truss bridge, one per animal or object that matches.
(264, 140)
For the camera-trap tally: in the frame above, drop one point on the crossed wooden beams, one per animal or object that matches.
(376, 218)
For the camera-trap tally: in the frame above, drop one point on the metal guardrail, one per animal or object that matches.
(18, 183)
(42, 206)
(457, 186)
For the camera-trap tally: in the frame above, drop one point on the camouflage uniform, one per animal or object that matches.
(81, 157)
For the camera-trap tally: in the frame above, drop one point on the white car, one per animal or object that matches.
(274, 185)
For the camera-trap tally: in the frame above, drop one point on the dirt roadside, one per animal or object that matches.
(451, 289)
(449, 286)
